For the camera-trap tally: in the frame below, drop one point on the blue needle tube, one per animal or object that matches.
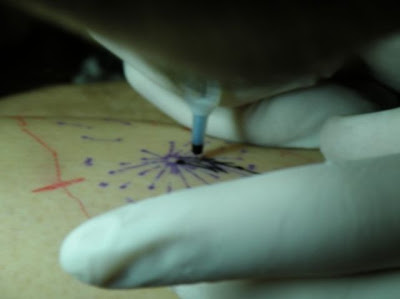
(201, 104)
(198, 132)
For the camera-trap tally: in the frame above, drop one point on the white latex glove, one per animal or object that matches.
(303, 225)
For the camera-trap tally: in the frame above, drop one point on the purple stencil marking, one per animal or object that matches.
(146, 171)
(88, 161)
(101, 139)
(182, 164)
(123, 122)
(129, 200)
(103, 184)
(125, 185)
(71, 124)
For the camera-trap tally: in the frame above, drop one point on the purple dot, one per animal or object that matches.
(129, 200)
(103, 184)
(251, 166)
(151, 187)
(61, 123)
(123, 186)
(111, 172)
(89, 161)
(84, 137)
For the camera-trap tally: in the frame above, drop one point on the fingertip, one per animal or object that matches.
(84, 253)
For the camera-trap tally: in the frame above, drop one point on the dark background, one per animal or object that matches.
(35, 53)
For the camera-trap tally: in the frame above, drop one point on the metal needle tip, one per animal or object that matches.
(197, 149)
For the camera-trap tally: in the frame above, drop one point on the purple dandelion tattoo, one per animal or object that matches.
(180, 163)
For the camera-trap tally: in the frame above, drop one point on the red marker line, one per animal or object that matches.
(59, 182)
(49, 149)
(78, 201)
(59, 185)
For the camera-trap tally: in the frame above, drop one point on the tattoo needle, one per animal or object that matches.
(202, 99)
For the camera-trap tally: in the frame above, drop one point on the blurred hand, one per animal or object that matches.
(332, 219)
(329, 230)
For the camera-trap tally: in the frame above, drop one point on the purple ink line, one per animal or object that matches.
(150, 153)
(157, 177)
(230, 158)
(151, 160)
(130, 167)
(183, 179)
(126, 123)
(209, 173)
(119, 139)
(171, 147)
(195, 175)
(63, 123)
(146, 171)
(235, 170)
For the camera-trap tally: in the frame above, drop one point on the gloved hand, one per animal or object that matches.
(299, 233)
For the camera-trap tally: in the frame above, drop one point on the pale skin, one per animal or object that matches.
(35, 223)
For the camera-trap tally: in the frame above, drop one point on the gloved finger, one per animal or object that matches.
(384, 60)
(362, 136)
(292, 119)
(367, 286)
(324, 219)
(172, 81)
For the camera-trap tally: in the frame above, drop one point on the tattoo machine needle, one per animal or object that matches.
(202, 98)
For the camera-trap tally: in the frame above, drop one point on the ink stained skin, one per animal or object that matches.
(180, 163)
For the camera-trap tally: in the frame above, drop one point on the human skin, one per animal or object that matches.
(34, 223)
